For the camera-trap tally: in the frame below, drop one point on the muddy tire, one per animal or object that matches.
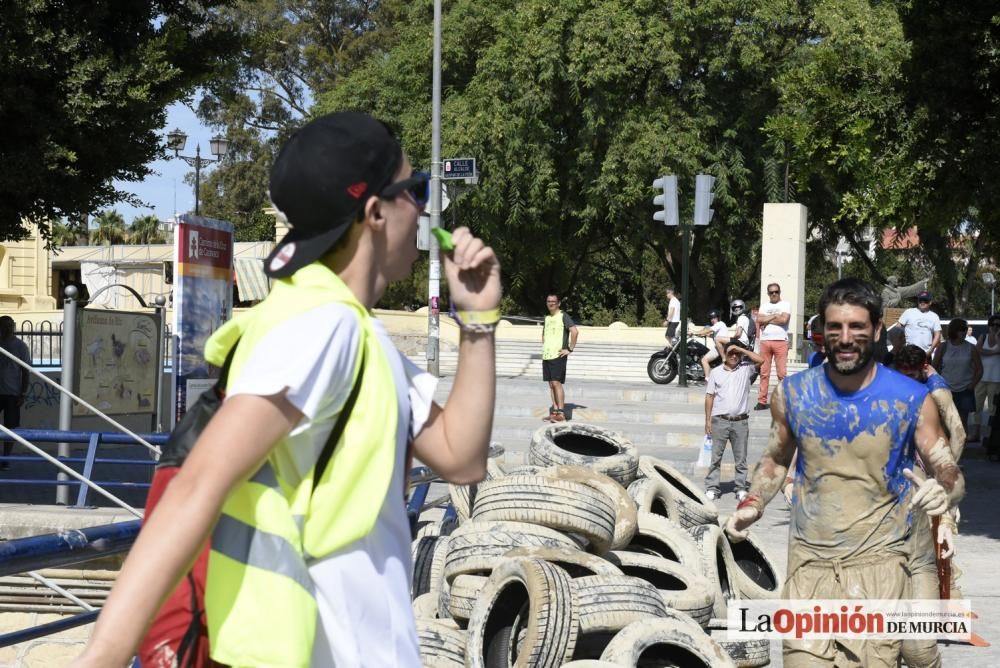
(756, 576)
(425, 606)
(682, 589)
(564, 505)
(440, 645)
(422, 553)
(660, 537)
(462, 595)
(576, 563)
(717, 565)
(476, 547)
(744, 653)
(652, 495)
(579, 444)
(626, 520)
(665, 642)
(463, 497)
(609, 603)
(525, 616)
(590, 663)
(441, 526)
(693, 507)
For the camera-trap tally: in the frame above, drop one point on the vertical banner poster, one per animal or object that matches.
(203, 300)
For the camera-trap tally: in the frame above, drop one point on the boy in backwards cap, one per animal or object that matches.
(310, 560)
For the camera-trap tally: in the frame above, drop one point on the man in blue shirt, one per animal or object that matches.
(854, 423)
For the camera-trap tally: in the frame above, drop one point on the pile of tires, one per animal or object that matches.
(588, 555)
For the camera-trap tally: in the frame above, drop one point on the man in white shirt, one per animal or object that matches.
(727, 414)
(673, 320)
(714, 330)
(773, 320)
(922, 326)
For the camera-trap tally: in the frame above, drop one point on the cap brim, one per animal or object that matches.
(304, 250)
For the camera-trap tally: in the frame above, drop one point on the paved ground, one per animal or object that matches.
(667, 422)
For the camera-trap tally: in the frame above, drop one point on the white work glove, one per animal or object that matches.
(739, 522)
(946, 539)
(929, 496)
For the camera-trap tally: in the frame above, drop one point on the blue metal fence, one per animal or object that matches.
(93, 440)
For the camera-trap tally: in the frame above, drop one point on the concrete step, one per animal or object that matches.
(685, 415)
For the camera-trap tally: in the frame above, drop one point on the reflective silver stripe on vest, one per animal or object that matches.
(243, 543)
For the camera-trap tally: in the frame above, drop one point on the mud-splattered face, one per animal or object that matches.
(849, 336)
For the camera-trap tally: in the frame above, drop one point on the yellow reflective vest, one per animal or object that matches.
(259, 598)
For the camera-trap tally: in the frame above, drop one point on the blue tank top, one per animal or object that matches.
(853, 446)
(937, 382)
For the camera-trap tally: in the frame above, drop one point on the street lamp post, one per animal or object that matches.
(219, 145)
(991, 283)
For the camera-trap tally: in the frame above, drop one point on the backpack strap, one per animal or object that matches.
(338, 428)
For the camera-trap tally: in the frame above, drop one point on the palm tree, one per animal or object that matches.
(110, 229)
(66, 234)
(145, 230)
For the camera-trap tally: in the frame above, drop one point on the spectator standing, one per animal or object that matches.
(922, 326)
(673, 320)
(959, 364)
(13, 380)
(989, 385)
(558, 341)
(714, 330)
(773, 319)
(727, 416)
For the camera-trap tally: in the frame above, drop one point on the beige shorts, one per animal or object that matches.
(883, 576)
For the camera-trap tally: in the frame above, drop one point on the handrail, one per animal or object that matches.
(97, 412)
(65, 469)
(72, 546)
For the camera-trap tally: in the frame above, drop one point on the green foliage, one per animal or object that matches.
(85, 86)
(145, 230)
(109, 229)
(572, 108)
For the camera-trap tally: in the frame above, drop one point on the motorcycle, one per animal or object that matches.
(663, 364)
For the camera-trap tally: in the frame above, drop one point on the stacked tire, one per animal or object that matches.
(590, 555)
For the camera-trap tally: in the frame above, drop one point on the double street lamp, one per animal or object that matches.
(176, 140)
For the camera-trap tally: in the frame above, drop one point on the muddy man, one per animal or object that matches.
(855, 424)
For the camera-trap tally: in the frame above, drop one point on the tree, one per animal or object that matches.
(145, 230)
(68, 234)
(110, 229)
(572, 108)
(292, 48)
(85, 87)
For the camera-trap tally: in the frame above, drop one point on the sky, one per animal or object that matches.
(165, 186)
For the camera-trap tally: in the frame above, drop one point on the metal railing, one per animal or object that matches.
(89, 461)
(45, 338)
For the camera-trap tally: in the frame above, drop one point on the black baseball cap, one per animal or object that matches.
(320, 182)
(924, 297)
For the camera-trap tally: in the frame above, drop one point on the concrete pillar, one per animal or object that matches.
(783, 261)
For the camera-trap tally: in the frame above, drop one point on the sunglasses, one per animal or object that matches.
(774, 292)
(417, 186)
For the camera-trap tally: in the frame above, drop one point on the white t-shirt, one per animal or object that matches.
(919, 327)
(718, 328)
(771, 331)
(674, 309)
(743, 323)
(363, 589)
(731, 389)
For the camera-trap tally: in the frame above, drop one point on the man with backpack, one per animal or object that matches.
(310, 543)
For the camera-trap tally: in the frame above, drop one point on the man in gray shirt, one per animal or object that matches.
(13, 380)
(727, 413)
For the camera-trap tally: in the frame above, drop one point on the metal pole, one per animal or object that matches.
(197, 178)
(161, 312)
(682, 353)
(840, 265)
(66, 380)
(434, 270)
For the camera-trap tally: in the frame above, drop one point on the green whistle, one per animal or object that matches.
(444, 238)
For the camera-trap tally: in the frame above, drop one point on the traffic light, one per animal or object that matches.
(668, 200)
(703, 197)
